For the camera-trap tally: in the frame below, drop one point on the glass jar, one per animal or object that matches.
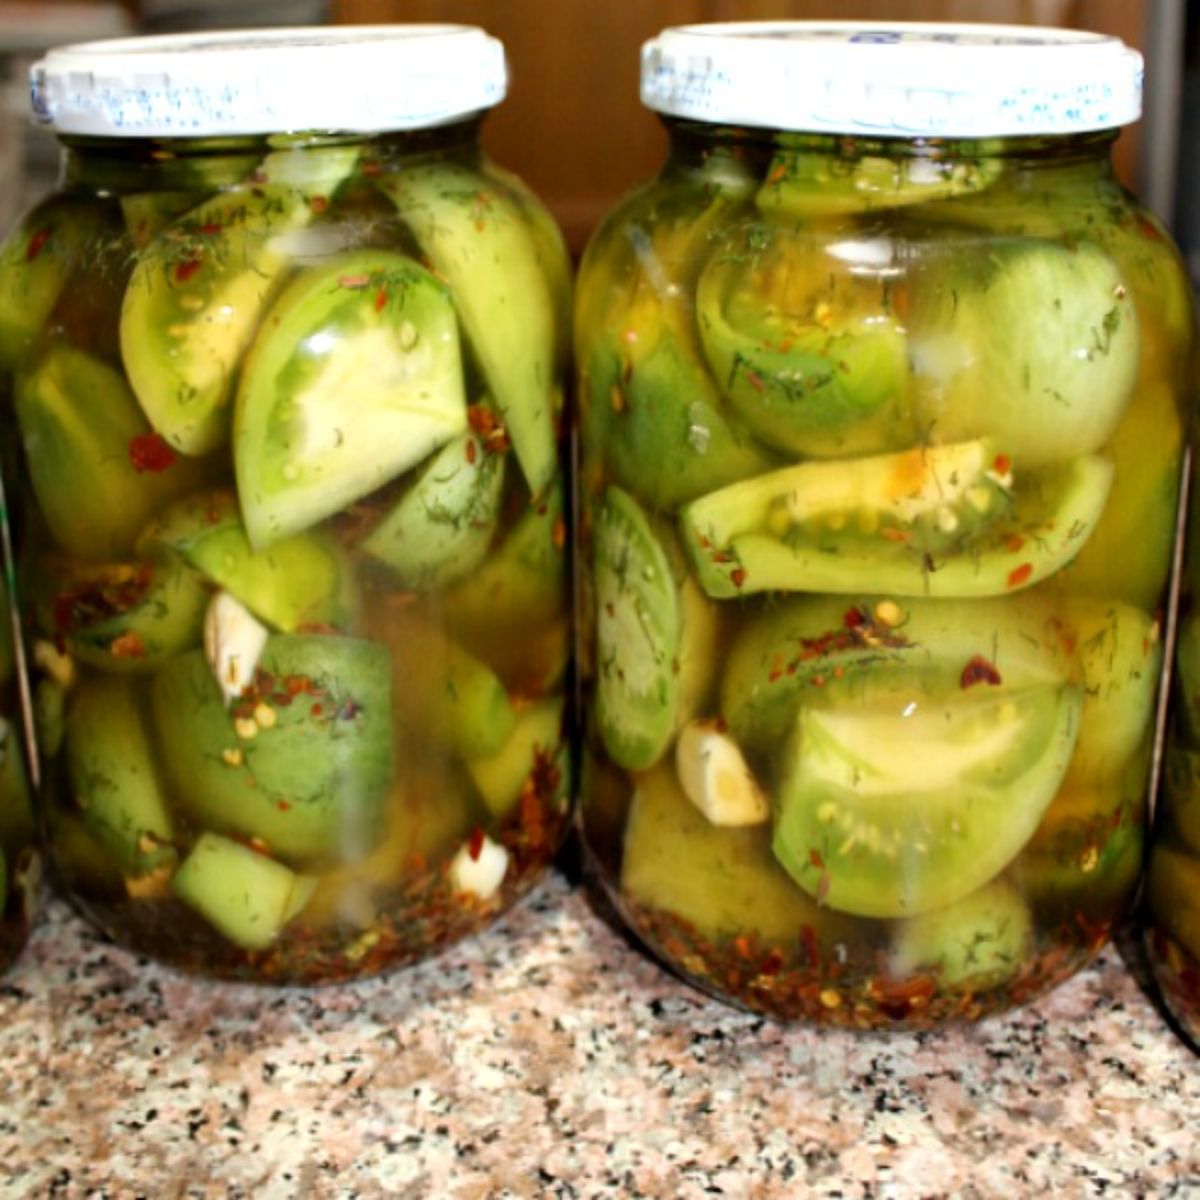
(881, 406)
(286, 355)
(1171, 903)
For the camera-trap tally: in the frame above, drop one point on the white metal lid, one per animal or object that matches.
(352, 78)
(894, 80)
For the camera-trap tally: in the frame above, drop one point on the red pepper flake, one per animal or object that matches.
(353, 281)
(742, 946)
(316, 710)
(472, 452)
(128, 645)
(755, 381)
(186, 269)
(37, 244)
(1013, 543)
(148, 452)
(371, 169)
(475, 844)
(812, 950)
(979, 670)
(855, 618)
(815, 859)
(1020, 575)
(772, 964)
(319, 204)
(558, 535)
(283, 806)
(778, 171)
(738, 575)
(895, 535)
(1148, 229)
(210, 229)
(381, 298)
(1002, 464)
(823, 886)
(295, 684)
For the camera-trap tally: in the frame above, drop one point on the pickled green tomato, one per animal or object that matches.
(296, 561)
(901, 766)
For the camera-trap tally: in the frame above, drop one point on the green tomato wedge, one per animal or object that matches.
(1187, 672)
(639, 632)
(978, 942)
(441, 528)
(1036, 346)
(806, 352)
(97, 471)
(535, 751)
(477, 239)
(1181, 786)
(938, 521)
(722, 880)
(300, 581)
(803, 181)
(891, 812)
(17, 826)
(36, 260)
(1173, 895)
(655, 416)
(123, 617)
(355, 377)
(199, 288)
(114, 776)
(246, 896)
(310, 779)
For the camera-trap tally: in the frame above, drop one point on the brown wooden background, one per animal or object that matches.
(572, 125)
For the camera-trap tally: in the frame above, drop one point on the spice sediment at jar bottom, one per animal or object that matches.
(871, 671)
(292, 561)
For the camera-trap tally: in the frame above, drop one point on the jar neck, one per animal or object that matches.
(125, 165)
(1081, 155)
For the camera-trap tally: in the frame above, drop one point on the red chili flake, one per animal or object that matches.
(558, 535)
(316, 710)
(318, 627)
(186, 269)
(148, 452)
(381, 298)
(812, 950)
(353, 281)
(823, 886)
(1148, 229)
(1019, 575)
(855, 618)
(210, 229)
(295, 684)
(895, 535)
(772, 964)
(472, 453)
(371, 169)
(319, 204)
(128, 645)
(475, 844)
(778, 171)
(738, 575)
(37, 244)
(742, 946)
(979, 670)
(283, 806)
(1002, 464)
(815, 859)
(1013, 543)
(755, 381)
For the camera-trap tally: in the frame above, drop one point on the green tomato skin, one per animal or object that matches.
(247, 897)
(199, 288)
(81, 430)
(301, 580)
(310, 785)
(477, 239)
(114, 776)
(355, 376)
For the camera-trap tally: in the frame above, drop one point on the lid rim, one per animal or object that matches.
(893, 79)
(354, 79)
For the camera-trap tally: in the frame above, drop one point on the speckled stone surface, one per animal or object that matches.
(549, 1058)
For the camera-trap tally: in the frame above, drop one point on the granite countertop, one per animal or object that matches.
(547, 1057)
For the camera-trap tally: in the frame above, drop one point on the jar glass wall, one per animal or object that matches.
(882, 445)
(294, 564)
(1172, 896)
